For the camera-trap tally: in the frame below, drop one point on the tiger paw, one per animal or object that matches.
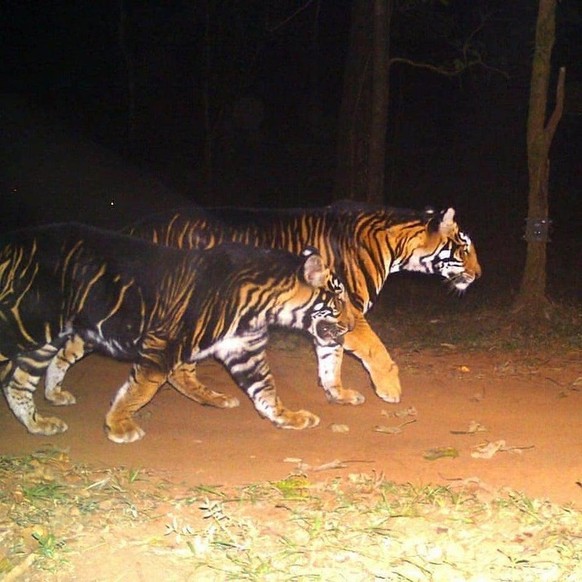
(217, 400)
(296, 419)
(125, 431)
(196, 391)
(224, 401)
(389, 388)
(47, 425)
(344, 396)
(60, 398)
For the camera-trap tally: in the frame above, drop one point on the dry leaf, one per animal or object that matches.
(518, 450)
(410, 411)
(335, 464)
(393, 429)
(292, 460)
(339, 428)
(441, 452)
(488, 450)
(449, 346)
(473, 428)
(388, 429)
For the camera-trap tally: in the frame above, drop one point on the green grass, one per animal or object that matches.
(362, 527)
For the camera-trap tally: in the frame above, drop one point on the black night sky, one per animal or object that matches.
(264, 79)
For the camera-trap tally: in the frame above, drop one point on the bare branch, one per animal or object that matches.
(290, 17)
(450, 71)
(552, 124)
(469, 55)
(485, 17)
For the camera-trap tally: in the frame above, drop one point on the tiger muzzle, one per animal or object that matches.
(330, 332)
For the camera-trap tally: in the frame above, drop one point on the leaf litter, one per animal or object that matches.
(441, 453)
(473, 428)
(93, 523)
(488, 449)
(397, 429)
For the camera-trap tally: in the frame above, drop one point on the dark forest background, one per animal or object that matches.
(112, 108)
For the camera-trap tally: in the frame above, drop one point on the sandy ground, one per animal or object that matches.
(529, 400)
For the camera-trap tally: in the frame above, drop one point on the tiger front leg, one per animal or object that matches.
(71, 352)
(183, 378)
(136, 392)
(252, 373)
(369, 349)
(19, 386)
(273, 409)
(329, 362)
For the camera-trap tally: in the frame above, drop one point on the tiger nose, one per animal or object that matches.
(477, 270)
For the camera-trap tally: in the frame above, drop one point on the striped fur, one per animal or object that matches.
(363, 244)
(161, 308)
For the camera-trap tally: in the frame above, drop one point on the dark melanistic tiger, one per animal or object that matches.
(363, 244)
(162, 309)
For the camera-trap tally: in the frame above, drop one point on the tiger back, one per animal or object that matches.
(160, 308)
(362, 243)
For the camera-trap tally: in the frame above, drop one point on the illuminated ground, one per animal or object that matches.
(532, 401)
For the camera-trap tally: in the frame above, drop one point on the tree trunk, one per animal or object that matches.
(350, 177)
(377, 144)
(130, 71)
(361, 149)
(208, 150)
(532, 292)
(314, 111)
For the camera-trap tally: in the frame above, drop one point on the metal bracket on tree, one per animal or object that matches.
(537, 229)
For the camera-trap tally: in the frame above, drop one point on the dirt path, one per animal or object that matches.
(531, 401)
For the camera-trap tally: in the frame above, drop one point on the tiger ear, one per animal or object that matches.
(315, 271)
(447, 222)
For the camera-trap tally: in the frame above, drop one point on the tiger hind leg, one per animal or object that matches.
(71, 352)
(20, 380)
(183, 378)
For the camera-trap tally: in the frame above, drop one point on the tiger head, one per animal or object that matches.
(326, 311)
(445, 250)
(330, 317)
